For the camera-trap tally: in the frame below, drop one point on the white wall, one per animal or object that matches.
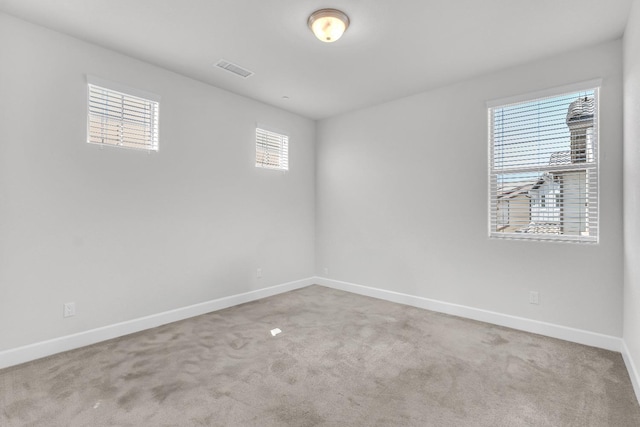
(402, 201)
(126, 234)
(401, 197)
(632, 188)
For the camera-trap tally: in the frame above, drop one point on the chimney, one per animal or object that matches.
(580, 122)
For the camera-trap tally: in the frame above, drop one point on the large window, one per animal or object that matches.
(119, 117)
(272, 150)
(543, 155)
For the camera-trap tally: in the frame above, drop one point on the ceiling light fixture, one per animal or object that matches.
(328, 24)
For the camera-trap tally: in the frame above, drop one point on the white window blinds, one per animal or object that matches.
(543, 157)
(272, 150)
(121, 119)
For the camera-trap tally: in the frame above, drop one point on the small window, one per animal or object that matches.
(118, 117)
(272, 150)
(543, 155)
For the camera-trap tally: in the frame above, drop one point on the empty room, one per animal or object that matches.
(312, 213)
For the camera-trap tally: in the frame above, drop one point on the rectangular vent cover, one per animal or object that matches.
(233, 68)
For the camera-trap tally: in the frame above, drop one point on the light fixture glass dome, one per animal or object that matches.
(328, 24)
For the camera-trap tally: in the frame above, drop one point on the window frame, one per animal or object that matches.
(283, 151)
(152, 145)
(494, 226)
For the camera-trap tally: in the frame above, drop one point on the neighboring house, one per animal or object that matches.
(551, 203)
(514, 206)
(546, 203)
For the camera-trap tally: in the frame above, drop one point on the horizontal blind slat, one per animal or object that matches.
(543, 168)
(271, 150)
(116, 118)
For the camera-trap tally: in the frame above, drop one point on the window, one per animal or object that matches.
(118, 117)
(272, 150)
(543, 156)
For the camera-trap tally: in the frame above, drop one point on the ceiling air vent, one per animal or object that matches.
(233, 68)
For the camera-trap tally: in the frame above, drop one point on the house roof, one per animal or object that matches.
(580, 110)
(560, 158)
(515, 189)
(537, 228)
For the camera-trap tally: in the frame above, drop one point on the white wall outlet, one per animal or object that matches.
(69, 309)
(534, 297)
(259, 273)
(325, 271)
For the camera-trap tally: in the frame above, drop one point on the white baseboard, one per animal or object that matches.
(38, 350)
(579, 336)
(631, 367)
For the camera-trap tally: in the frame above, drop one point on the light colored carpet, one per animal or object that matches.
(341, 360)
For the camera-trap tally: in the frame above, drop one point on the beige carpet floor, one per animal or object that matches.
(341, 360)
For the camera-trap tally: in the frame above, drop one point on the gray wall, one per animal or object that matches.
(632, 185)
(402, 201)
(126, 234)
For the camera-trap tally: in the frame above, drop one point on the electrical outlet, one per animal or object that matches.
(325, 271)
(259, 273)
(69, 309)
(534, 297)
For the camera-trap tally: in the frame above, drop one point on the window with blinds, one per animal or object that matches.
(272, 150)
(121, 119)
(543, 156)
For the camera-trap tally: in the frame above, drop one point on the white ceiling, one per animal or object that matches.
(392, 49)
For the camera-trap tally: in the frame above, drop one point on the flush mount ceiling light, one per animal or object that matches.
(328, 24)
